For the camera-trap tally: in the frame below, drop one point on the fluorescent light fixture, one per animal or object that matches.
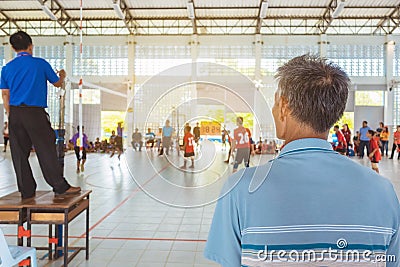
(263, 9)
(48, 12)
(118, 10)
(190, 10)
(339, 9)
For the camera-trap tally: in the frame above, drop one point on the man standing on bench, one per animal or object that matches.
(24, 91)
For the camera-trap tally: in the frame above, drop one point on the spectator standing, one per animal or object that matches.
(5, 136)
(166, 138)
(196, 133)
(158, 139)
(120, 130)
(384, 136)
(341, 147)
(347, 135)
(396, 143)
(356, 142)
(379, 129)
(364, 140)
(223, 139)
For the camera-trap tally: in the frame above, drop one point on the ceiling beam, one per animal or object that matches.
(8, 19)
(259, 20)
(394, 14)
(194, 21)
(64, 17)
(211, 18)
(326, 19)
(128, 20)
(203, 8)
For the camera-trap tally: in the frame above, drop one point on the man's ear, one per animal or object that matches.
(283, 108)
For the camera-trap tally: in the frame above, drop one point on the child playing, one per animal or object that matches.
(188, 142)
(375, 154)
(77, 143)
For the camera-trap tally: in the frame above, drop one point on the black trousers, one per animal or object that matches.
(394, 147)
(361, 147)
(31, 126)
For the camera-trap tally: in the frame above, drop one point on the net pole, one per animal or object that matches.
(80, 116)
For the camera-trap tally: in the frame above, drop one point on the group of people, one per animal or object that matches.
(163, 140)
(375, 142)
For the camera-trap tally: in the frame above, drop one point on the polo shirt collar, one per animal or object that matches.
(306, 143)
(20, 54)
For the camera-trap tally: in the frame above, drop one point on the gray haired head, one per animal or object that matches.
(316, 90)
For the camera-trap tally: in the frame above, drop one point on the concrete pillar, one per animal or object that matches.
(130, 87)
(258, 107)
(389, 95)
(323, 45)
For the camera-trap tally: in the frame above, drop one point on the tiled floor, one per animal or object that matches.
(132, 227)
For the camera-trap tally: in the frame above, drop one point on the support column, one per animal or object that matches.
(194, 52)
(69, 96)
(131, 90)
(323, 45)
(389, 95)
(8, 55)
(258, 83)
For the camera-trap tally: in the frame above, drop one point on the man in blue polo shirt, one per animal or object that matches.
(167, 131)
(364, 140)
(296, 210)
(24, 92)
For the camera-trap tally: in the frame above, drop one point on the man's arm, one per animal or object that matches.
(5, 93)
(62, 74)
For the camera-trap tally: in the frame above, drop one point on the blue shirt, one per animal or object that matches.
(167, 131)
(26, 77)
(363, 133)
(299, 201)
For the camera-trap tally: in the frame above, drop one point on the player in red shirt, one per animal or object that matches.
(188, 148)
(342, 143)
(242, 143)
(375, 154)
(396, 143)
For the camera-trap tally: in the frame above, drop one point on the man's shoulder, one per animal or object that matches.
(239, 182)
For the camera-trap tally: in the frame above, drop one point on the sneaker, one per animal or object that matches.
(78, 171)
(71, 190)
(82, 167)
(226, 161)
(183, 167)
(191, 166)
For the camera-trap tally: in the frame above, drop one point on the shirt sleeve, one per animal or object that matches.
(393, 251)
(224, 239)
(51, 76)
(3, 83)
